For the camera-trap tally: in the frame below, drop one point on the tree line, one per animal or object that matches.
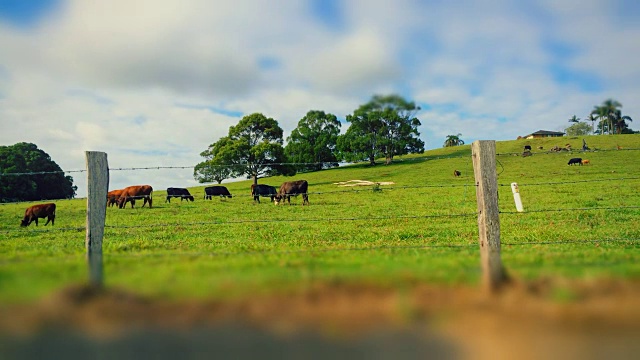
(609, 117)
(384, 127)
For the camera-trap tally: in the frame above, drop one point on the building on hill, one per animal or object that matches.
(543, 134)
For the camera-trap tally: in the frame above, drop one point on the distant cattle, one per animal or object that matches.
(293, 188)
(39, 211)
(527, 148)
(182, 193)
(113, 196)
(211, 191)
(131, 193)
(586, 161)
(575, 161)
(456, 173)
(258, 190)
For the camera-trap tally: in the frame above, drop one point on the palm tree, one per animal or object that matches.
(593, 121)
(453, 140)
(574, 119)
(620, 122)
(606, 113)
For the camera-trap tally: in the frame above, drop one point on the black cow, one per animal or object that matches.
(258, 190)
(293, 188)
(182, 193)
(216, 191)
(575, 161)
(527, 148)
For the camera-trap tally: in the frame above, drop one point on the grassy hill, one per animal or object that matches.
(579, 222)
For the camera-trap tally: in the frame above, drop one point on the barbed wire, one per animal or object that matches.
(201, 223)
(570, 209)
(562, 151)
(573, 181)
(267, 252)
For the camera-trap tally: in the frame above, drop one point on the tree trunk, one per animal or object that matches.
(255, 179)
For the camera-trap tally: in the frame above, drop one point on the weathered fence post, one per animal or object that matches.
(97, 188)
(483, 153)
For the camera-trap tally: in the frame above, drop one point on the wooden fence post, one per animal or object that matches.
(97, 188)
(483, 153)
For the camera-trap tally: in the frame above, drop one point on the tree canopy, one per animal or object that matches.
(611, 119)
(314, 141)
(578, 129)
(253, 148)
(453, 140)
(27, 158)
(385, 126)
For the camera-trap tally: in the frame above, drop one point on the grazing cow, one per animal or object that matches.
(258, 190)
(113, 196)
(39, 211)
(586, 161)
(527, 148)
(540, 148)
(182, 193)
(130, 193)
(293, 188)
(456, 173)
(216, 191)
(575, 161)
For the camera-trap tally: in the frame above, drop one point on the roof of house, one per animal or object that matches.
(545, 132)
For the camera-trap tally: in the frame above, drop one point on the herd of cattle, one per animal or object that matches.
(132, 193)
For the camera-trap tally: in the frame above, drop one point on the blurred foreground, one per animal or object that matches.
(545, 319)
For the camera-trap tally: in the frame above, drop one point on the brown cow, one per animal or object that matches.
(292, 188)
(586, 162)
(39, 211)
(456, 173)
(112, 197)
(130, 193)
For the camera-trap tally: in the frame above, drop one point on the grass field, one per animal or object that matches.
(580, 222)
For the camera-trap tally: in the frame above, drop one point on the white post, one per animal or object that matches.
(516, 197)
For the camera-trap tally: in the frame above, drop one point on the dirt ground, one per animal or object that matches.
(538, 320)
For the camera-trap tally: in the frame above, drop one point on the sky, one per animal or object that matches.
(154, 82)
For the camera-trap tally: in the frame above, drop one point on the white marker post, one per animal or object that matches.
(516, 197)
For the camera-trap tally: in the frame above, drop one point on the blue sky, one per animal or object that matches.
(153, 83)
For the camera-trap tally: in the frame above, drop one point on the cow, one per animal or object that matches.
(130, 193)
(182, 193)
(112, 197)
(39, 211)
(292, 188)
(575, 161)
(216, 191)
(258, 190)
(586, 161)
(527, 148)
(456, 173)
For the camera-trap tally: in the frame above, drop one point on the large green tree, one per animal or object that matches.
(578, 129)
(313, 142)
(253, 148)
(385, 126)
(46, 181)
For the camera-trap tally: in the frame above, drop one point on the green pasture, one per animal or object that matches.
(581, 222)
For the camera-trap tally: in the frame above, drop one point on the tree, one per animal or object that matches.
(593, 119)
(211, 169)
(314, 141)
(253, 148)
(453, 140)
(574, 119)
(385, 126)
(610, 117)
(50, 183)
(578, 129)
